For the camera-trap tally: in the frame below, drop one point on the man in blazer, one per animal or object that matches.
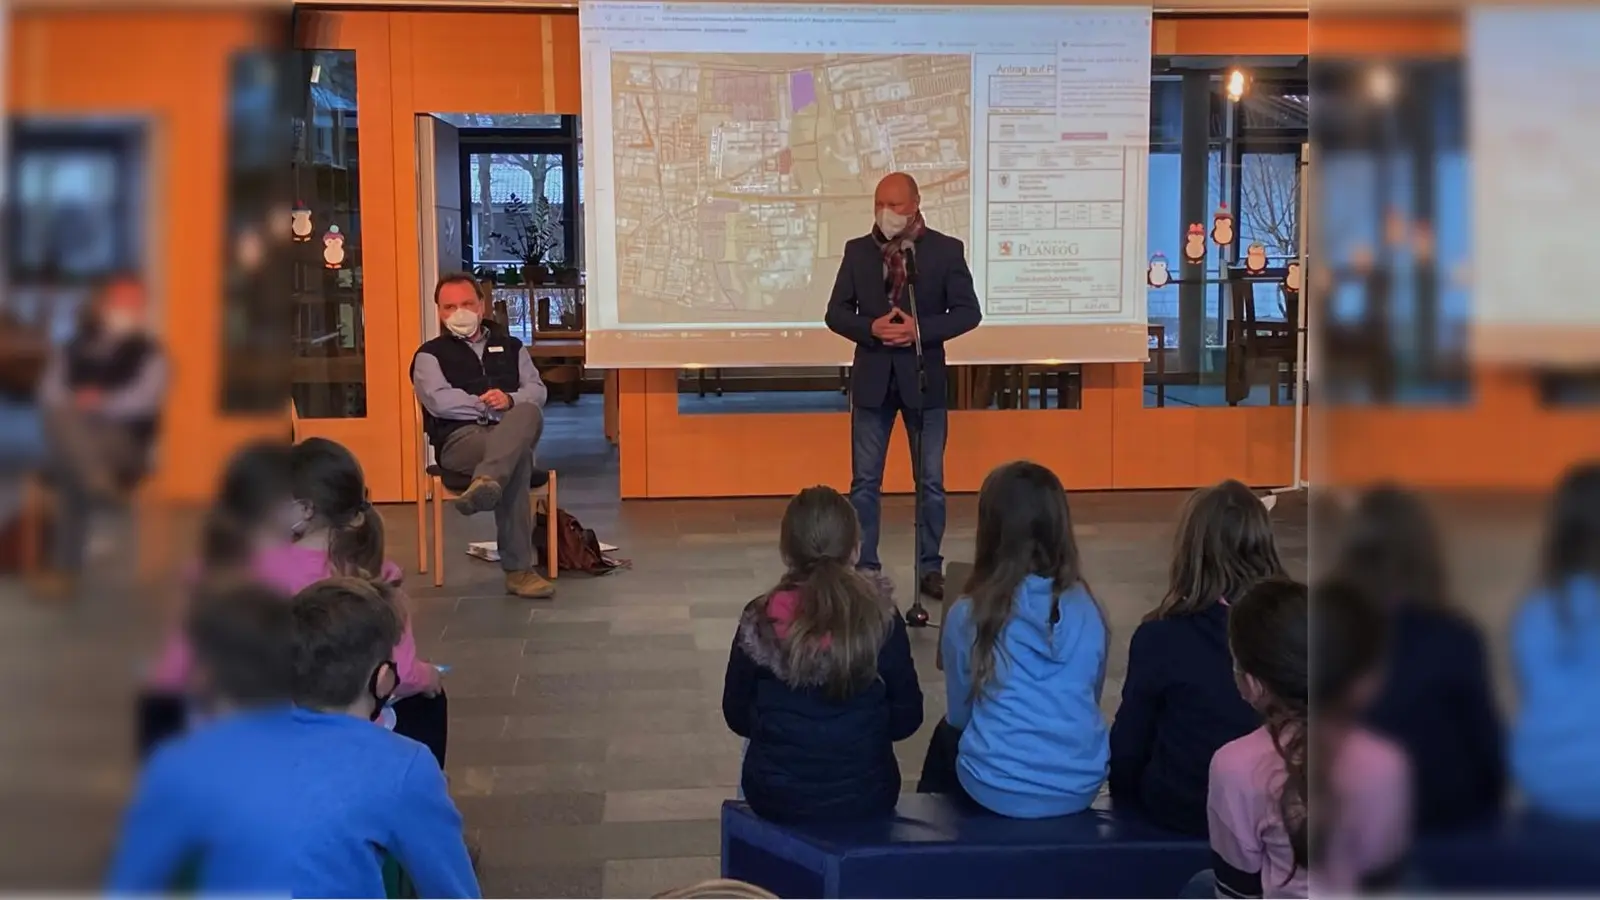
(872, 304)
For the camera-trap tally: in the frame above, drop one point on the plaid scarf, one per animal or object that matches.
(894, 262)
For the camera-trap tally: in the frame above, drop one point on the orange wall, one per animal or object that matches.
(129, 64)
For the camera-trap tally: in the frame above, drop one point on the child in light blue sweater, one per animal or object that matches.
(1555, 646)
(1025, 656)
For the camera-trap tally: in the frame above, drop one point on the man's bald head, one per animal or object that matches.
(897, 191)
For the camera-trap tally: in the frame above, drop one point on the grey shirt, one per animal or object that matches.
(442, 401)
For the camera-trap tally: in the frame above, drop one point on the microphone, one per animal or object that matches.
(908, 255)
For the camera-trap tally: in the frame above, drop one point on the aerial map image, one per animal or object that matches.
(740, 176)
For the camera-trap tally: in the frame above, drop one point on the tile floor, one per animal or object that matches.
(588, 754)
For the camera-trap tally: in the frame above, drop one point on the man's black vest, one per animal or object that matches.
(93, 365)
(466, 371)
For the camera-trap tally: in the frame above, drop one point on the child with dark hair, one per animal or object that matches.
(1555, 647)
(1437, 699)
(820, 679)
(302, 517)
(305, 800)
(249, 515)
(1179, 701)
(1296, 802)
(1024, 659)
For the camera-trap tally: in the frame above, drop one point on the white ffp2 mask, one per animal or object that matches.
(463, 323)
(892, 223)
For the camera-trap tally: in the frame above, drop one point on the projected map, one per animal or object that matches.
(740, 176)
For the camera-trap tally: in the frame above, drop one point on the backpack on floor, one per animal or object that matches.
(577, 547)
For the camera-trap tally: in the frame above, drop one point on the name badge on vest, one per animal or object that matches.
(495, 349)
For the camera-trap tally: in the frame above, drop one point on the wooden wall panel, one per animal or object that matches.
(170, 69)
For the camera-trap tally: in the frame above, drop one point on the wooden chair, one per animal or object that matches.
(1253, 344)
(440, 485)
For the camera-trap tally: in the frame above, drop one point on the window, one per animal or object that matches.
(75, 192)
(519, 209)
(532, 122)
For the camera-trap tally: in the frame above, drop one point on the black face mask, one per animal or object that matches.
(382, 698)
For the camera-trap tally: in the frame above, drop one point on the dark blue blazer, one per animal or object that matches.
(947, 307)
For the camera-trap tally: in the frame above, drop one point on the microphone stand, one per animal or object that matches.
(917, 615)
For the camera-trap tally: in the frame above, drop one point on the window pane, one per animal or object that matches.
(1269, 209)
(539, 121)
(518, 209)
(329, 325)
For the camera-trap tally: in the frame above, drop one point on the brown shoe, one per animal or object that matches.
(932, 585)
(529, 584)
(482, 495)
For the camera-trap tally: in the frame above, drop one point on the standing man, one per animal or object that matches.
(872, 306)
(483, 409)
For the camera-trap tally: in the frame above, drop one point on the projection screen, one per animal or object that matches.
(732, 149)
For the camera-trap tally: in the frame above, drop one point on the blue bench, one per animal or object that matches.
(937, 846)
(1522, 854)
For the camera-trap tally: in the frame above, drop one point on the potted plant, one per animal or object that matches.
(568, 275)
(532, 231)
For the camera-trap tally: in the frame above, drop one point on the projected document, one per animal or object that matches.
(734, 149)
(1534, 123)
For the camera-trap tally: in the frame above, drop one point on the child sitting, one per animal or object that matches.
(302, 524)
(1265, 787)
(1025, 656)
(820, 679)
(304, 801)
(1555, 647)
(1179, 701)
(1437, 699)
(247, 516)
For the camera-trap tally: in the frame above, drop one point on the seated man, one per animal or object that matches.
(483, 409)
(101, 398)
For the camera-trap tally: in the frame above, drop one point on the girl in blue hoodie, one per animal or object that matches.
(1555, 647)
(1025, 656)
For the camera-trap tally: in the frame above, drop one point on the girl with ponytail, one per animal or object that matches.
(820, 679)
(288, 517)
(1299, 802)
(337, 531)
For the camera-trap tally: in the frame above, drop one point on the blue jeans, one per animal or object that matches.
(869, 447)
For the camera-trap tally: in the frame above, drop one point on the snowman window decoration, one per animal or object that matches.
(300, 224)
(1222, 227)
(1291, 279)
(1157, 275)
(1194, 246)
(333, 248)
(1255, 259)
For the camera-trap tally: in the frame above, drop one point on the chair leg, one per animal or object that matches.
(33, 513)
(422, 524)
(552, 560)
(438, 533)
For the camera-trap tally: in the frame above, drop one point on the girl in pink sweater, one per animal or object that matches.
(292, 516)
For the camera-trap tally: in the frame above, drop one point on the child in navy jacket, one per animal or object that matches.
(1437, 699)
(820, 678)
(1179, 700)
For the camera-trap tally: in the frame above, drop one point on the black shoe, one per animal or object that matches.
(932, 585)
